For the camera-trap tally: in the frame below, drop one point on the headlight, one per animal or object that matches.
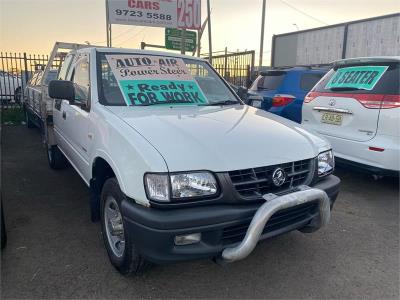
(181, 185)
(188, 185)
(326, 163)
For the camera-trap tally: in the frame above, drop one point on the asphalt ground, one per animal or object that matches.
(54, 251)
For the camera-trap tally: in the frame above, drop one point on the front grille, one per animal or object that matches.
(299, 214)
(256, 182)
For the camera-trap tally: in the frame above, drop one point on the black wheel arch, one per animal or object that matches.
(101, 171)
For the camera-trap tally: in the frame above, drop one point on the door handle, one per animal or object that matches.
(64, 115)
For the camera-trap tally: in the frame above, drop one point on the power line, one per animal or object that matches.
(303, 12)
(136, 34)
(117, 36)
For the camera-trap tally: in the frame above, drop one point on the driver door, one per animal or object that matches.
(75, 117)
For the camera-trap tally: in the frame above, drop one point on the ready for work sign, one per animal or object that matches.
(184, 14)
(149, 80)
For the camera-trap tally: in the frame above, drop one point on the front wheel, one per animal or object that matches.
(3, 229)
(118, 242)
(55, 158)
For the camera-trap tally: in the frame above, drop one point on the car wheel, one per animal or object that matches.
(3, 230)
(18, 95)
(28, 120)
(118, 242)
(55, 158)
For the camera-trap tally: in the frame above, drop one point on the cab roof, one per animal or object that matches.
(140, 51)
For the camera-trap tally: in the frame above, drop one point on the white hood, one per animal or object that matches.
(220, 138)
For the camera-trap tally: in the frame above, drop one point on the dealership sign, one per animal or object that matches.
(185, 14)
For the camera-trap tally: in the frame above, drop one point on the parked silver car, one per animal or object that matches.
(10, 87)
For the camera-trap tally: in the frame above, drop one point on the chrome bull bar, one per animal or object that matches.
(273, 204)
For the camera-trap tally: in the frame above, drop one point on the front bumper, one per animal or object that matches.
(222, 225)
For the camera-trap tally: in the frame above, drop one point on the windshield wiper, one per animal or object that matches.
(343, 88)
(224, 102)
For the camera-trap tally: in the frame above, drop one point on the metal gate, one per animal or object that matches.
(236, 67)
(15, 71)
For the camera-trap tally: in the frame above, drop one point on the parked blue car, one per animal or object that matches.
(282, 91)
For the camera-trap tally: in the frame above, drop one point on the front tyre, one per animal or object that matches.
(3, 229)
(118, 242)
(55, 157)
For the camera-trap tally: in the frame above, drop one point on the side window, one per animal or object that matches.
(308, 81)
(81, 81)
(62, 75)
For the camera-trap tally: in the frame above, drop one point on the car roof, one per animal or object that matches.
(296, 69)
(363, 60)
(139, 51)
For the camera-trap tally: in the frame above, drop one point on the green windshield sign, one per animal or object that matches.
(149, 92)
(363, 78)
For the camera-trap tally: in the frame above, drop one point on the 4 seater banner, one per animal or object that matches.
(147, 80)
(361, 78)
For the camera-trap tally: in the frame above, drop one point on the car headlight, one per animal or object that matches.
(326, 163)
(164, 187)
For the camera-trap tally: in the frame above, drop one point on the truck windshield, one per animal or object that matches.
(135, 79)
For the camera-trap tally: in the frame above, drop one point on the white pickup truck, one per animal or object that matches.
(178, 167)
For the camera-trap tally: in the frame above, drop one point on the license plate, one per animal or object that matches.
(331, 118)
(256, 103)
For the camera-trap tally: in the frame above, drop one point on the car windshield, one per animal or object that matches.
(127, 79)
(268, 81)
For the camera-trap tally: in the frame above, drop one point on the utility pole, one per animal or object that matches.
(199, 32)
(107, 25)
(262, 33)
(209, 32)
(183, 41)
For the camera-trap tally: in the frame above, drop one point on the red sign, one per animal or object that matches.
(184, 14)
(189, 14)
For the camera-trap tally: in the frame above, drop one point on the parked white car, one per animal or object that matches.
(10, 87)
(356, 106)
(178, 167)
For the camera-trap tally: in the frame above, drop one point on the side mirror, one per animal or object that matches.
(62, 89)
(242, 93)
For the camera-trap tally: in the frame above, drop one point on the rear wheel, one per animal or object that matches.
(28, 120)
(55, 157)
(118, 242)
